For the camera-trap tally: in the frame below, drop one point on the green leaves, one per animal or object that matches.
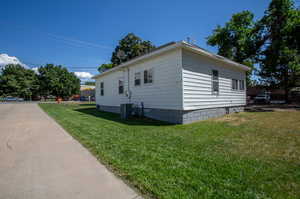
(273, 42)
(18, 81)
(105, 67)
(129, 47)
(58, 81)
(237, 39)
(280, 65)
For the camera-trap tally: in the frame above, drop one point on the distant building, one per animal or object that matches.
(86, 92)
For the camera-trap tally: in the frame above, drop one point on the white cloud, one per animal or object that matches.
(83, 75)
(6, 59)
(35, 69)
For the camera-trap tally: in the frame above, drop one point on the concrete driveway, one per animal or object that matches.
(38, 160)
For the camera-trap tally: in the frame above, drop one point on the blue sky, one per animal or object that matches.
(82, 34)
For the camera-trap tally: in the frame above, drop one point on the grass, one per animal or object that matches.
(245, 155)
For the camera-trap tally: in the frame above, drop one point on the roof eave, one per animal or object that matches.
(215, 57)
(135, 60)
(174, 45)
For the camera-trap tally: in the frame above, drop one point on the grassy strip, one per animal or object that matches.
(247, 155)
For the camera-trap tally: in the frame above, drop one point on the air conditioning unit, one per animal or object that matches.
(125, 110)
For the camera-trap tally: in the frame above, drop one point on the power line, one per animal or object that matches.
(73, 68)
(67, 40)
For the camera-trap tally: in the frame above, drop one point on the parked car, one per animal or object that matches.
(263, 98)
(13, 99)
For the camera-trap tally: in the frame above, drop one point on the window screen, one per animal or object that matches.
(102, 88)
(215, 81)
(234, 84)
(148, 76)
(242, 85)
(121, 86)
(137, 79)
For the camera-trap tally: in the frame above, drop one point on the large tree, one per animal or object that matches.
(280, 58)
(57, 81)
(238, 39)
(128, 48)
(272, 43)
(17, 81)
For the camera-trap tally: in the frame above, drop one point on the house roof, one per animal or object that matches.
(171, 46)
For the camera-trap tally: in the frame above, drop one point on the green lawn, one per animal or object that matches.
(245, 155)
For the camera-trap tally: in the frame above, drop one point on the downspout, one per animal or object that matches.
(128, 85)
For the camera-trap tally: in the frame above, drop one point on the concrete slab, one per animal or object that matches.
(39, 160)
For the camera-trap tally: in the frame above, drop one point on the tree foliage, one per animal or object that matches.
(57, 81)
(15, 80)
(90, 83)
(129, 47)
(105, 67)
(238, 39)
(235, 39)
(271, 42)
(280, 57)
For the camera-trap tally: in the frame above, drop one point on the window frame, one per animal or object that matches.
(215, 79)
(101, 88)
(121, 87)
(146, 77)
(140, 79)
(232, 84)
(241, 82)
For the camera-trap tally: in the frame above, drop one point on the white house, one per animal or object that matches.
(178, 82)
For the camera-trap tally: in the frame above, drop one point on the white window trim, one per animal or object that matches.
(148, 84)
(141, 80)
(237, 85)
(121, 79)
(101, 88)
(212, 80)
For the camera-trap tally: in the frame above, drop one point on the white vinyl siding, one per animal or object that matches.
(165, 91)
(181, 80)
(111, 95)
(197, 83)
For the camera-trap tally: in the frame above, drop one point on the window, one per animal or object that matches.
(121, 86)
(242, 85)
(102, 88)
(234, 84)
(215, 81)
(137, 79)
(148, 76)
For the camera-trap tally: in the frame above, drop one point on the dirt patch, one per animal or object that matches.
(286, 109)
(233, 119)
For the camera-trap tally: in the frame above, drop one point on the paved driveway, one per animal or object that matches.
(38, 160)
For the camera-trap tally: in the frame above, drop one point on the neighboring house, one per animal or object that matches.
(87, 92)
(178, 83)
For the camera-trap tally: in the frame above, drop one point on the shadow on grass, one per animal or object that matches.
(88, 104)
(271, 108)
(116, 118)
(258, 110)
